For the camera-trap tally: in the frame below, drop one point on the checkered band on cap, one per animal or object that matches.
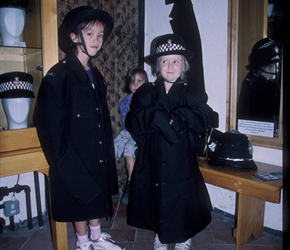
(275, 58)
(16, 85)
(267, 44)
(169, 46)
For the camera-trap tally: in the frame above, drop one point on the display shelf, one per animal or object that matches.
(18, 59)
(40, 36)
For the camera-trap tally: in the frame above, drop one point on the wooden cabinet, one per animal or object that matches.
(20, 151)
(40, 36)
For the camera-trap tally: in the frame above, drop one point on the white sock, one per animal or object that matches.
(95, 232)
(82, 238)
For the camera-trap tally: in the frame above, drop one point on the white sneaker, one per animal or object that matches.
(158, 245)
(84, 246)
(183, 246)
(106, 243)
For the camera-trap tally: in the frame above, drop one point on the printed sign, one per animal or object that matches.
(256, 128)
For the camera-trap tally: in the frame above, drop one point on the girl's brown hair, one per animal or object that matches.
(130, 77)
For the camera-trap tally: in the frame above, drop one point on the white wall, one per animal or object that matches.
(212, 20)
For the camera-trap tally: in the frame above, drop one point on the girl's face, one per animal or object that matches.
(171, 67)
(138, 80)
(93, 36)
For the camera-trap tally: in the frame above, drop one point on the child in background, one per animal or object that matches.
(124, 144)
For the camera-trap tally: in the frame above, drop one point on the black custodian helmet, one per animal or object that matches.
(263, 53)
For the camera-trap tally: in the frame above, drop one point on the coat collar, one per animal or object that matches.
(175, 93)
(73, 62)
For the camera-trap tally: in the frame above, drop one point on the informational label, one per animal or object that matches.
(256, 128)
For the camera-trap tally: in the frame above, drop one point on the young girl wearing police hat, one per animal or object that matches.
(167, 191)
(74, 128)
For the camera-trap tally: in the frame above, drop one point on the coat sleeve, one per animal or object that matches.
(66, 166)
(192, 119)
(192, 113)
(145, 116)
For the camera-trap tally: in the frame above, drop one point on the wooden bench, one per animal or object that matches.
(251, 195)
(20, 152)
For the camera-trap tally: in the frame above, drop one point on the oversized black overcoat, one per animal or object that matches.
(167, 191)
(74, 128)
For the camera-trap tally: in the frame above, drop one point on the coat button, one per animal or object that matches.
(97, 109)
(100, 142)
(101, 161)
(99, 125)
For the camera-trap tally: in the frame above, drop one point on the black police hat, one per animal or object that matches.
(21, 4)
(233, 149)
(16, 84)
(75, 17)
(169, 44)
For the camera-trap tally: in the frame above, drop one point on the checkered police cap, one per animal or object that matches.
(264, 53)
(16, 85)
(169, 44)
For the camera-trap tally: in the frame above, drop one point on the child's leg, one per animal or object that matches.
(81, 231)
(129, 154)
(95, 229)
(130, 161)
(119, 143)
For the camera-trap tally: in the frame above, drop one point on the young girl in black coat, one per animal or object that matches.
(167, 191)
(74, 129)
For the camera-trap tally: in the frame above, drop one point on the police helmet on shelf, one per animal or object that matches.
(233, 149)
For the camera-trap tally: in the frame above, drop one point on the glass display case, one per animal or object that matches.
(249, 22)
(40, 51)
